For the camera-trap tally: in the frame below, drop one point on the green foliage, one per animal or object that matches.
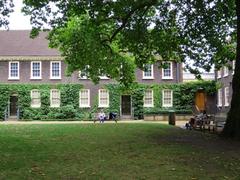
(183, 95)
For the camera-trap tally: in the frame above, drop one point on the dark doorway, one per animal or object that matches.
(13, 105)
(126, 105)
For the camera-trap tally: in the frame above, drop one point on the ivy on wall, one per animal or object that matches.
(183, 99)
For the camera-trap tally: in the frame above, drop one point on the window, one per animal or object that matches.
(148, 72)
(219, 73)
(84, 73)
(103, 98)
(167, 98)
(226, 96)
(167, 71)
(233, 66)
(225, 71)
(148, 98)
(55, 70)
(13, 70)
(35, 98)
(219, 97)
(36, 70)
(55, 98)
(84, 98)
(103, 77)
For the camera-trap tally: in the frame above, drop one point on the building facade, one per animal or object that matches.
(224, 77)
(31, 62)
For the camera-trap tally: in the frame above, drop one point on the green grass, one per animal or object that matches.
(114, 151)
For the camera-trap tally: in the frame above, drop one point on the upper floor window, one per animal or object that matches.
(103, 100)
(167, 98)
(13, 70)
(84, 73)
(35, 98)
(226, 96)
(225, 71)
(148, 71)
(167, 72)
(219, 98)
(148, 98)
(103, 77)
(219, 73)
(55, 98)
(233, 66)
(84, 98)
(55, 70)
(36, 68)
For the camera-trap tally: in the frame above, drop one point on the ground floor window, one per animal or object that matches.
(84, 98)
(226, 96)
(148, 98)
(55, 98)
(219, 97)
(103, 98)
(35, 98)
(167, 98)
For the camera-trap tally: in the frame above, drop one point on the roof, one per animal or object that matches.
(19, 43)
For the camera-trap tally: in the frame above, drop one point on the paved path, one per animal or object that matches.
(178, 123)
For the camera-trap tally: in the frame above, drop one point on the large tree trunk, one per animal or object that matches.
(232, 127)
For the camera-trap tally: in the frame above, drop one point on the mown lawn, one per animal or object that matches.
(115, 151)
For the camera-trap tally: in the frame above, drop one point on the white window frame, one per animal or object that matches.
(35, 105)
(225, 71)
(99, 99)
(220, 98)
(83, 77)
(152, 73)
(104, 77)
(60, 70)
(144, 100)
(171, 69)
(40, 65)
(9, 70)
(163, 95)
(51, 99)
(233, 66)
(226, 96)
(219, 73)
(80, 102)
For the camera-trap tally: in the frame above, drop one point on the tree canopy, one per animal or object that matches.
(6, 7)
(107, 36)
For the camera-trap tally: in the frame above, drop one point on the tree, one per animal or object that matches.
(111, 37)
(6, 7)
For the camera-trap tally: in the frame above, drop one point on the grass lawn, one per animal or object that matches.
(115, 151)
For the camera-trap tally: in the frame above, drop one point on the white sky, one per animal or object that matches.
(17, 19)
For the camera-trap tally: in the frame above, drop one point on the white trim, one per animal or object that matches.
(51, 103)
(9, 70)
(233, 66)
(152, 73)
(171, 73)
(226, 96)
(148, 105)
(225, 71)
(80, 104)
(60, 70)
(99, 102)
(40, 77)
(219, 73)
(219, 100)
(38, 105)
(104, 77)
(163, 95)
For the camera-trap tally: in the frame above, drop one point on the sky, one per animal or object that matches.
(17, 19)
